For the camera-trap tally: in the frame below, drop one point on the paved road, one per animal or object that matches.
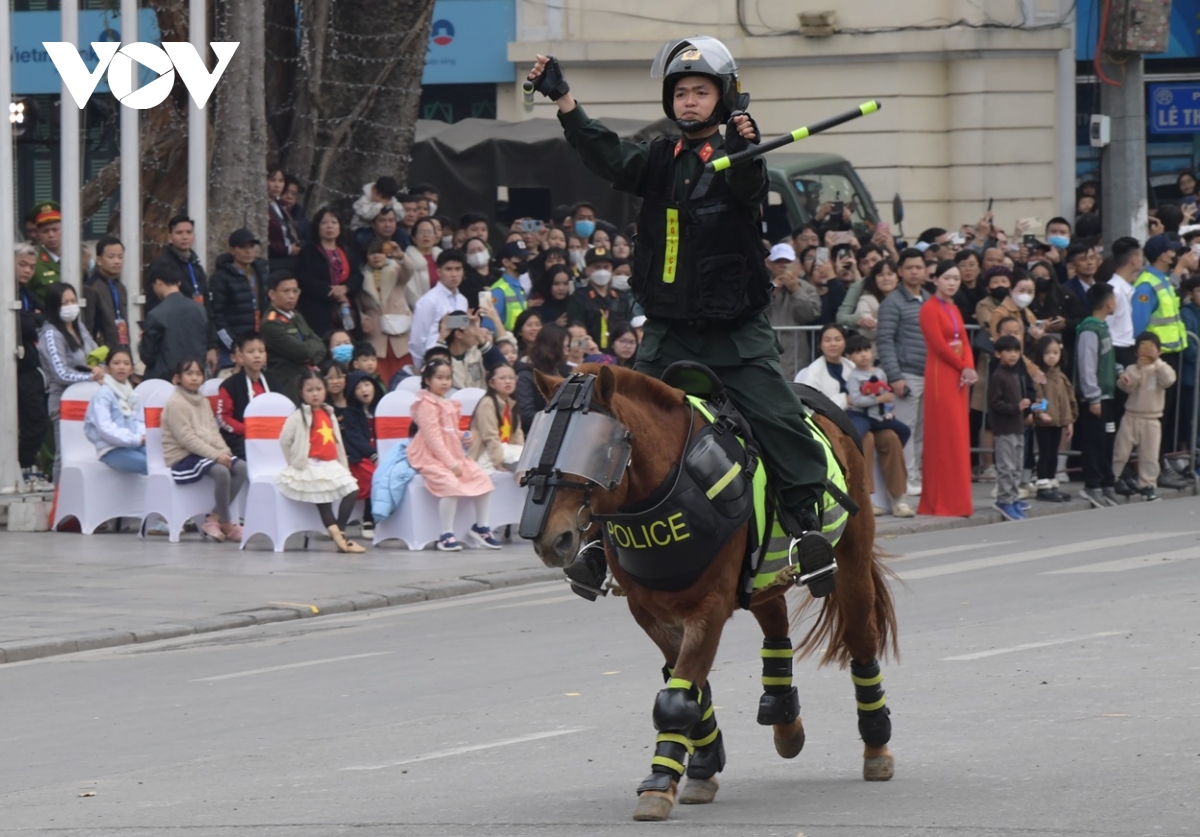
(1048, 687)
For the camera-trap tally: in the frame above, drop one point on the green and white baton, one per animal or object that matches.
(722, 163)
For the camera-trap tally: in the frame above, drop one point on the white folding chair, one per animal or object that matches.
(410, 384)
(267, 511)
(469, 398)
(211, 389)
(148, 387)
(88, 490)
(392, 420)
(175, 504)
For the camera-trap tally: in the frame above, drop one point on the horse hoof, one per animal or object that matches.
(879, 768)
(699, 791)
(789, 739)
(654, 806)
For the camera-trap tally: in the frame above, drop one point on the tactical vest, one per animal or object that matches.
(699, 260)
(1165, 322)
(514, 302)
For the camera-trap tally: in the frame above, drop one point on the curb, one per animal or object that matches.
(34, 649)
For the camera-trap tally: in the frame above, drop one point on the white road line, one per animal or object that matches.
(471, 599)
(569, 598)
(946, 550)
(474, 748)
(979, 655)
(288, 666)
(1035, 555)
(1137, 562)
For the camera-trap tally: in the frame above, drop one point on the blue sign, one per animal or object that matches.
(468, 42)
(1174, 108)
(34, 72)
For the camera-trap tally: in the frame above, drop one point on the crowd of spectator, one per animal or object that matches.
(967, 355)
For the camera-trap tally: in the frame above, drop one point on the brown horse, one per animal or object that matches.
(856, 624)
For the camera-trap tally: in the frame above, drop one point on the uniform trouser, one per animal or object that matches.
(911, 410)
(1010, 456)
(795, 460)
(32, 419)
(1146, 433)
(1094, 438)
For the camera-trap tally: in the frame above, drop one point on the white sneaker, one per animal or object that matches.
(878, 510)
(902, 509)
(1061, 479)
(914, 488)
(1026, 491)
(989, 474)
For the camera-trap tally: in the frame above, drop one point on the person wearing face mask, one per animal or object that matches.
(63, 348)
(478, 275)
(622, 273)
(576, 254)
(508, 296)
(1016, 305)
(554, 293)
(598, 305)
(583, 220)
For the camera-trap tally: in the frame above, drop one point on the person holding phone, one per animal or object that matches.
(432, 308)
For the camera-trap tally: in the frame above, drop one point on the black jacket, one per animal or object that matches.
(358, 433)
(193, 284)
(174, 330)
(1005, 392)
(31, 321)
(232, 401)
(100, 315)
(235, 300)
(312, 272)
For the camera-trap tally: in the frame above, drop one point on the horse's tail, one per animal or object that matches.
(827, 633)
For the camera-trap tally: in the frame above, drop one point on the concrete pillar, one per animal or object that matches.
(10, 332)
(131, 187)
(71, 163)
(1123, 162)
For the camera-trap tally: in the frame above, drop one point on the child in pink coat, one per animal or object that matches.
(436, 453)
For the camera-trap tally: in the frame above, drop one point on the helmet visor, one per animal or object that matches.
(703, 54)
(594, 447)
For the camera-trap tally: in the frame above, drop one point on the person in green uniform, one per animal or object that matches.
(699, 270)
(291, 343)
(49, 251)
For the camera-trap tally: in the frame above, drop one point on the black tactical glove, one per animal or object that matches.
(734, 141)
(551, 82)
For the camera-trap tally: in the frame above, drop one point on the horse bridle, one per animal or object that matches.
(542, 482)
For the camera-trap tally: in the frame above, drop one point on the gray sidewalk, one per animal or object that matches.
(61, 593)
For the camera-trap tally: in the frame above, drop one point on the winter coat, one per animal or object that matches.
(1004, 402)
(392, 476)
(188, 426)
(63, 366)
(99, 314)
(357, 426)
(193, 284)
(108, 428)
(867, 306)
(292, 345)
(485, 431)
(237, 299)
(899, 340)
(1059, 393)
(316, 304)
(816, 375)
(232, 400)
(1147, 388)
(793, 308)
(385, 295)
(294, 437)
(421, 280)
(174, 331)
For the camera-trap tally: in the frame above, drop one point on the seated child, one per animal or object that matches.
(317, 471)
(358, 430)
(870, 411)
(114, 422)
(250, 355)
(436, 453)
(341, 346)
(496, 435)
(365, 360)
(335, 391)
(193, 449)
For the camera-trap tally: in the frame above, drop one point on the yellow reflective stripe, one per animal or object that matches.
(724, 481)
(799, 134)
(841, 521)
(867, 681)
(675, 738)
(663, 761)
(760, 502)
(776, 652)
(776, 681)
(721, 163)
(671, 256)
(708, 713)
(706, 740)
(868, 107)
(679, 683)
(871, 707)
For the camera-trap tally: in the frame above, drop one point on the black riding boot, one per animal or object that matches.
(813, 551)
(588, 571)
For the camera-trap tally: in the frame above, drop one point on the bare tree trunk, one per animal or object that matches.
(237, 189)
(356, 107)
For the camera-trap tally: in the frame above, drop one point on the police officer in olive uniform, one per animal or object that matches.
(49, 268)
(699, 267)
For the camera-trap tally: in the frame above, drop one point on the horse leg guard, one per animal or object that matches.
(709, 756)
(676, 711)
(874, 725)
(780, 703)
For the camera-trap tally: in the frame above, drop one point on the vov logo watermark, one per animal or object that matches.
(172, 57)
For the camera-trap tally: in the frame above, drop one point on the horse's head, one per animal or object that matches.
(657, 418)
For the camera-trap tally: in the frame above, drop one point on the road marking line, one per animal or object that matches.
(470, 599)
(1035, 555)
(474, 748)
(946, 550)
(1134, 563)
(568, 598)
(979, 655)
(289, 666)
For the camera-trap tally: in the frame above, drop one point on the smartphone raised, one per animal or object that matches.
(530, 225)
(485, 299)
(822, 256)
(458, 321)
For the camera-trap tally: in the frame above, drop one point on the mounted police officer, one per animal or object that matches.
(699, 270)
